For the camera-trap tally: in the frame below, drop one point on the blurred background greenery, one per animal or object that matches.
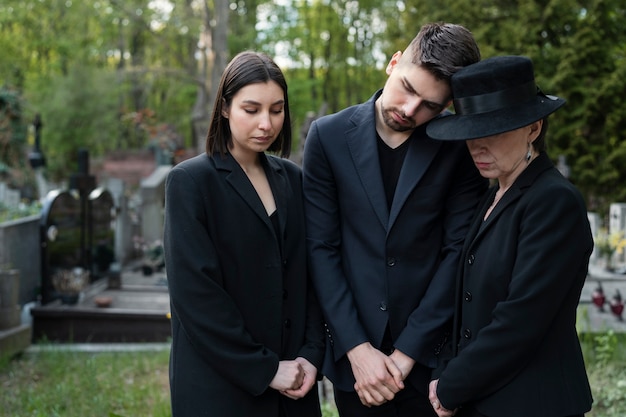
(113, 74)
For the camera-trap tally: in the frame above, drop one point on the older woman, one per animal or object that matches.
(515, 351)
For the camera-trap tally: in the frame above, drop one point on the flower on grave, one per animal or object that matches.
(151, 251)
(70, 281)
(154, 251)
(608, 244)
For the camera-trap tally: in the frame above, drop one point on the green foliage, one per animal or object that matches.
(332, 51)
(79, 110)
(605, 356)
(124, 384)
(12, 130)
(55, 382)
(70, 384)
(329, 410)
(334, 54)
(22, 210)
(608, 382)
(605, 345)
(608, 389)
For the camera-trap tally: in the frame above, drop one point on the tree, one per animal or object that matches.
(123, 60)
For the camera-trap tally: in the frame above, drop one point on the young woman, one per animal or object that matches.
(247, 333)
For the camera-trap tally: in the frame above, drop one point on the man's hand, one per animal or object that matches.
(310, 375)
(404, 362)
(378, 379)
(434, 401)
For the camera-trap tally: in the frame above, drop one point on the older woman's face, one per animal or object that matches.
(503, 156)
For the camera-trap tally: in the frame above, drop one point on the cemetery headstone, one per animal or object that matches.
(61, 234)
(101, 231)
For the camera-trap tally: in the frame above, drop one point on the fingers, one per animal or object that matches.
(308, 382)
(293, 394)
(396, 373)
(434, 401)
(289, 376)
(377, 377)
(432, 392)
(404, 362)
(306, 386)
(376, 386)
(294, 379)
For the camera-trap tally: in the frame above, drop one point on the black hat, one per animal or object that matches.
(493, 96)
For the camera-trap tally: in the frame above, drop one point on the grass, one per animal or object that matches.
(55, 382)
(60, 383)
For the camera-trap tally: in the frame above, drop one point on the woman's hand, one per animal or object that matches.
(289, 376)
(434, 401)
(310, 377)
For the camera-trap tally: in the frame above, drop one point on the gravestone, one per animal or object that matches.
(61, 235)
(152, 204)
(123, 222)
(100, 229)
(595, 222)
(8, 197)
(617, 223)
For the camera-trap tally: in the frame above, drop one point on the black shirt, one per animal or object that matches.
(391, 160)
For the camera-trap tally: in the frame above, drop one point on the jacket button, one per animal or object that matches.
(383, 306)
(468, 296)
(391, 261)
(467, 333)
(470, 259)
(287, 323)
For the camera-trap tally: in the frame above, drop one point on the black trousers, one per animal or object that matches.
(472, 412)
(407, 403)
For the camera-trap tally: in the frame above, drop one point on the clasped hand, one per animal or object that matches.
(295, 378)
(378, 377)
(434, 401)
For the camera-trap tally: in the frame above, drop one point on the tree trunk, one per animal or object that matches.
(214, 54)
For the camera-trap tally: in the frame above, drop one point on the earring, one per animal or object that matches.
(529, 154)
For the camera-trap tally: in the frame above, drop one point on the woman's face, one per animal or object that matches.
(255, 115)
(503, 156)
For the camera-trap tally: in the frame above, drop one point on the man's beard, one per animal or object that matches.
(391, 122)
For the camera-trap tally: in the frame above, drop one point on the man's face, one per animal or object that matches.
(412, 96)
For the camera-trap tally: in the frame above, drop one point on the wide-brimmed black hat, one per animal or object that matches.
(493, 96)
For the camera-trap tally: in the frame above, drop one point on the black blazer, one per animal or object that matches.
(240, 296)
(521, 277)
(373, 266)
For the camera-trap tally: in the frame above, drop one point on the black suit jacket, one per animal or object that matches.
(240, 295)
(376, 267)
(522, 274)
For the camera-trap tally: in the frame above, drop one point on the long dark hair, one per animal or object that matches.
(246, 68)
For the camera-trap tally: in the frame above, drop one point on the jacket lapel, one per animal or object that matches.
(361, 140)
(525, 180)
(278, 184)
(420, 154)
(241, 185)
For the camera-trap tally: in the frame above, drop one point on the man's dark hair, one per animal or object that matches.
(443, 49)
